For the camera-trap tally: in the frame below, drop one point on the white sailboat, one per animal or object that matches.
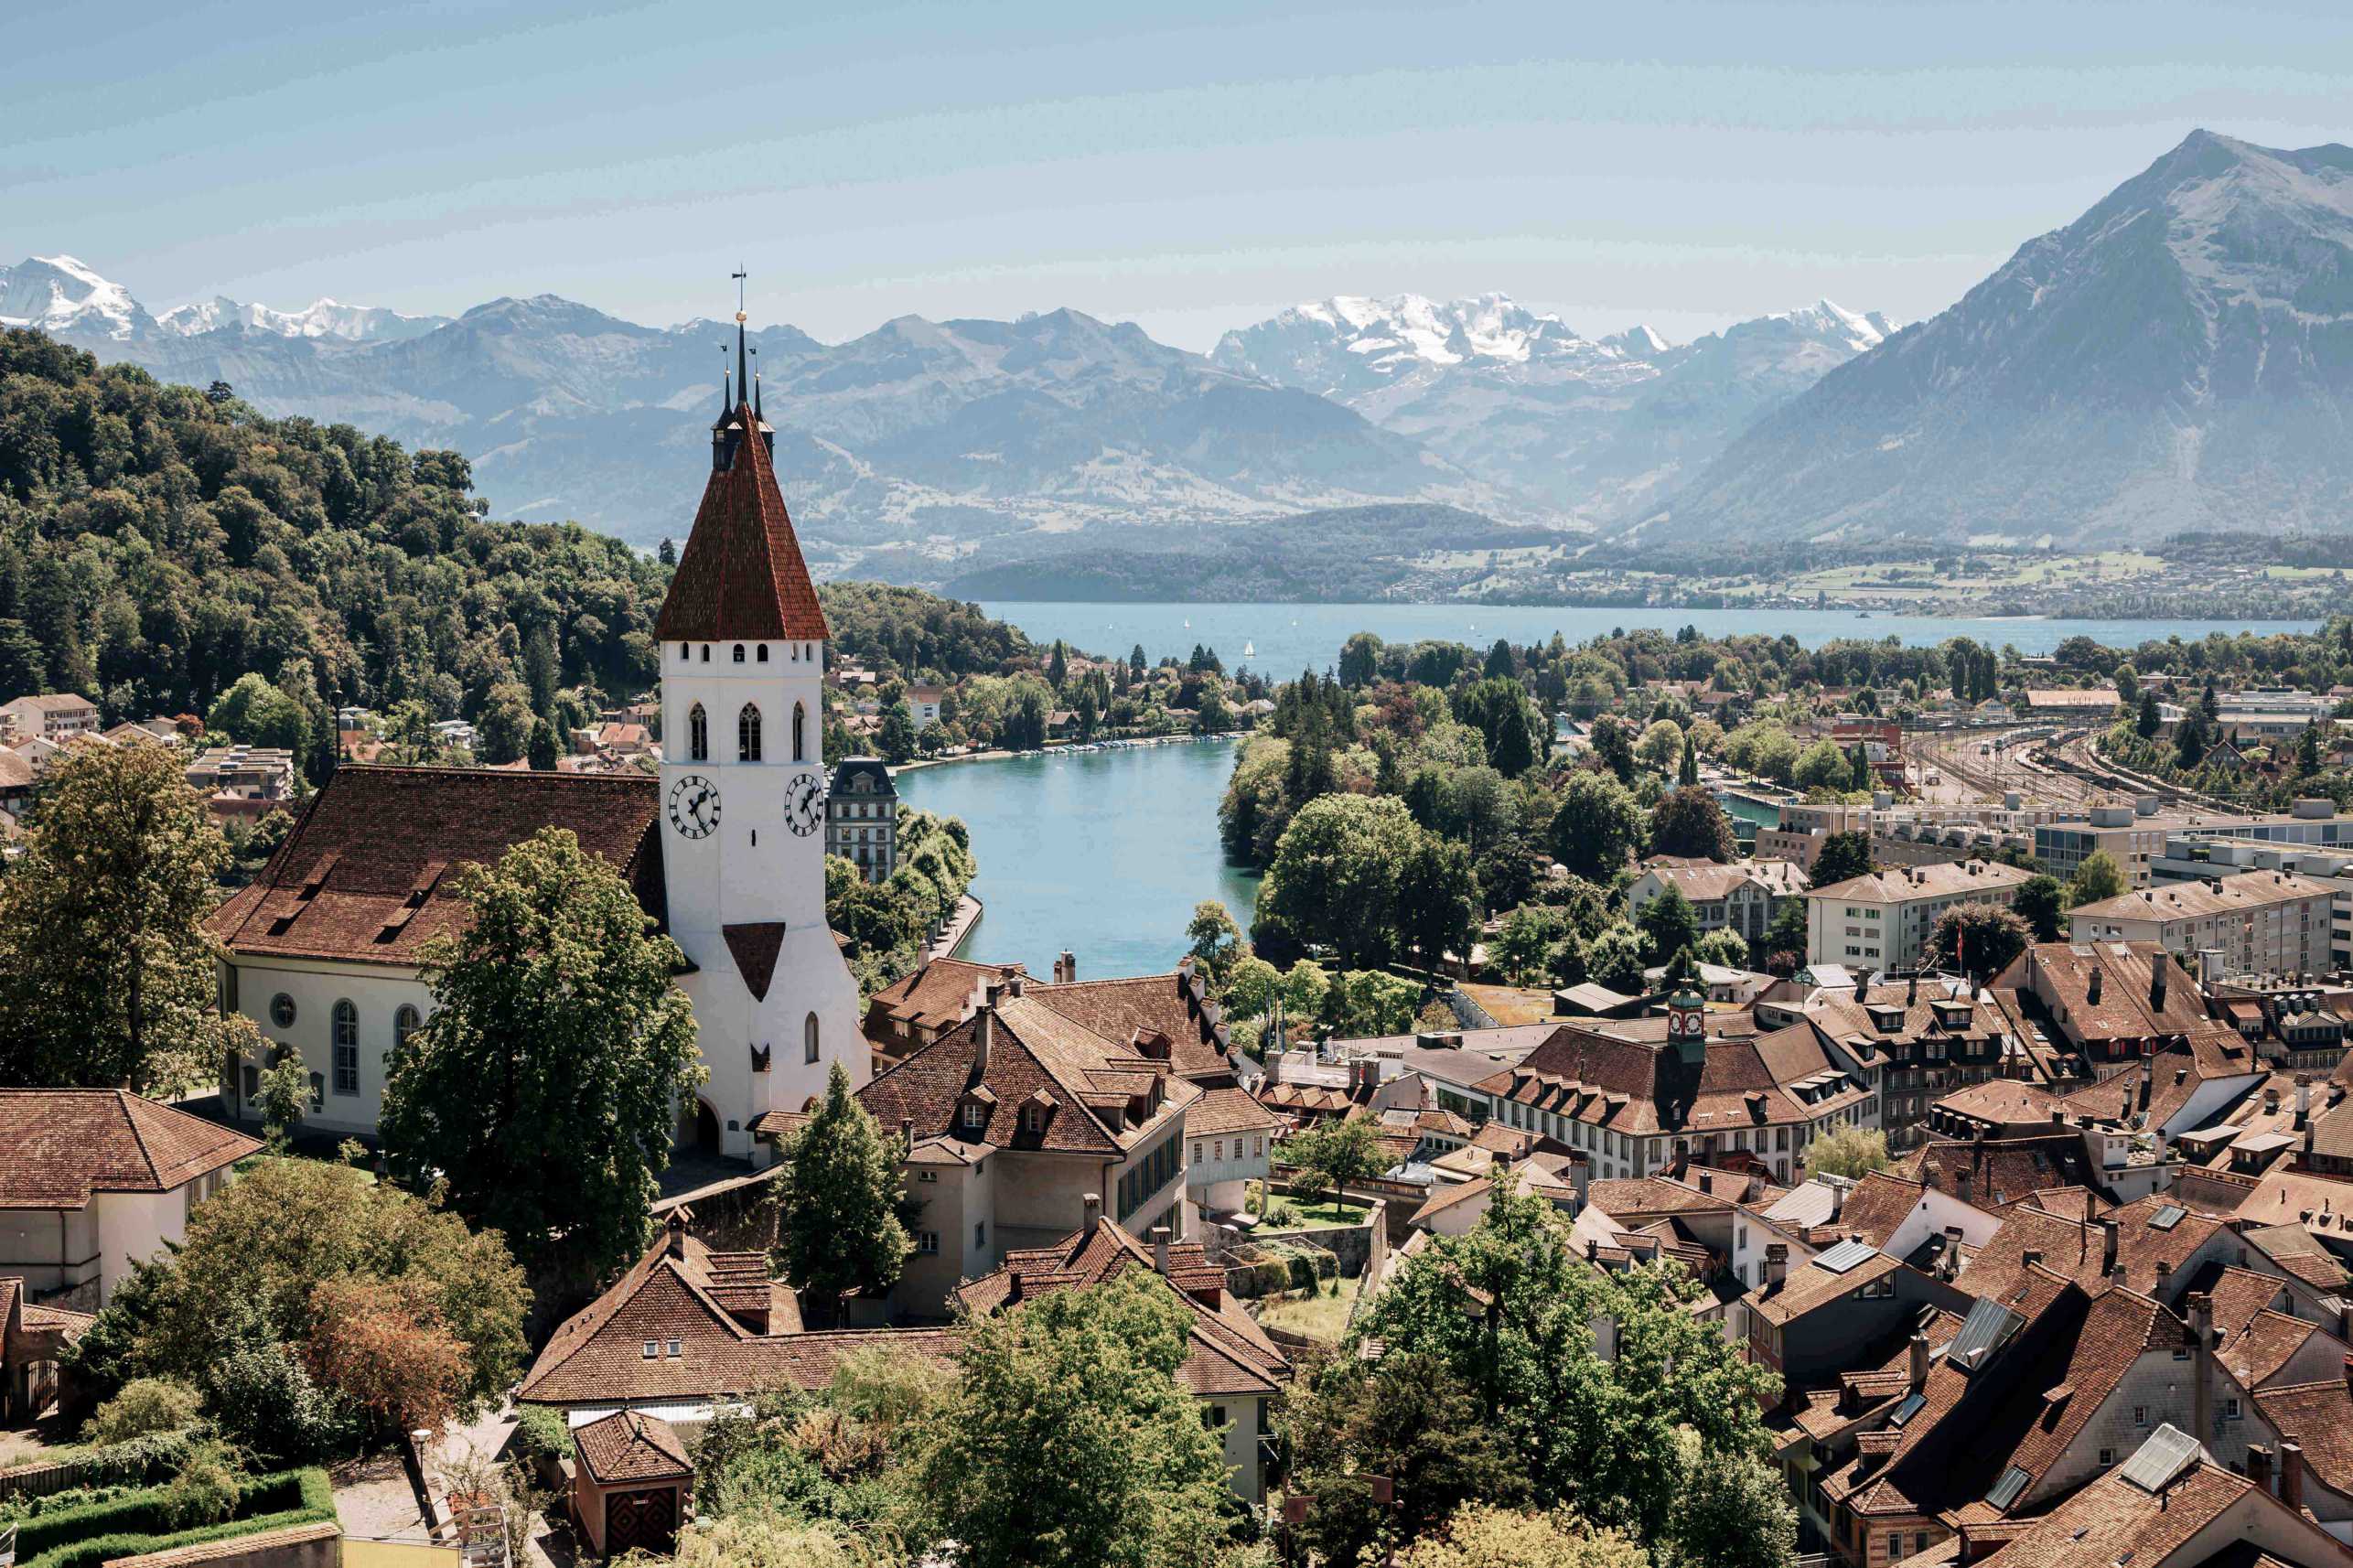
(1249, 650)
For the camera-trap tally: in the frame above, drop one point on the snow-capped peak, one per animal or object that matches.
(58, 293)
(1828, 319)
(1636, 342)
(322, 318)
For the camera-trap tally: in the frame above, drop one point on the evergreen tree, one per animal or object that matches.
(668, 553)
(1669, 925)
(1687, 774)
(543, 746)
(2150, 719)
(1843, 856)
(842, 1215)
(1058, 666)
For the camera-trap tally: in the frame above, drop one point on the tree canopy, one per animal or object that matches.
(546, 1085)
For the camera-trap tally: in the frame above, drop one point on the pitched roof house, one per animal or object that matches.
(93, 1179)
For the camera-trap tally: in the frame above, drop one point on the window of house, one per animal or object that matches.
(2107, 1457)
(799, 733)
(1258, 1144)
(318, 1091)
(2141, 1415)
(1196, 1151)
(706, 653)
(282, 1011)
(1033, 1119)
(763, 652)
(698, 733)
(927, 1175)
(346, 1047)
(674, 1348)
(809, 1038)
(1219, 1146)
(1213, 1416)
(739, 653)
(404, 1023)
(981, 1236)
(975, 1115)
(928, 1242)
(652, 1348)
(747, 734)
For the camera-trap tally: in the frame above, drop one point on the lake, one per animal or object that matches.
(1104, 853)
(1292, 638)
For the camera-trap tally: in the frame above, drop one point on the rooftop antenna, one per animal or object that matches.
(743, 378)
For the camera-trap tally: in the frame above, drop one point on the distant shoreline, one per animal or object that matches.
(999, 755)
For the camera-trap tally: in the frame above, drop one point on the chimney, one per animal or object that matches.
(1091, 1208)
(1707, 1182)
(1777, 1264)
(2164, 1274)
(2259, 1466)
(907, 1132)
(2148, 1072)
(1160, 1250)
(2303, 1100)
(2271, 1100)
(1013, 982)
(2108, 1247)
(677, 1229)
(2032, 1256)
(1066, 968)
(2157, 967)
(2091, 991)
(2201, 1393)
(984, 1036)
(1918, 1369)
(1961, 1183)
(2291, 1472)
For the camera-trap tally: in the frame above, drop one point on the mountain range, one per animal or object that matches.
(923, 448)
(2179, 357)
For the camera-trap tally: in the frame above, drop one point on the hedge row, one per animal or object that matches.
(134, 1526)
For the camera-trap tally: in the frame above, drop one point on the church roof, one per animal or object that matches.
(741, 576)
(368, 874)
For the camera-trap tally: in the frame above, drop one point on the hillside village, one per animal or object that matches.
(1673, 1099)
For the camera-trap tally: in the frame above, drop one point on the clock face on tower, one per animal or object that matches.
(804, 803)
(695, 806)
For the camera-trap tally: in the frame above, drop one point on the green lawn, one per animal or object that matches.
(1304, 1214)
(1319, 1316)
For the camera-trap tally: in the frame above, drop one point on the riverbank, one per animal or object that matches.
(1281, 639)
(1071, 748)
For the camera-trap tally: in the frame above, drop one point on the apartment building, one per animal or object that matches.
(2259, 921)
(1884, 919)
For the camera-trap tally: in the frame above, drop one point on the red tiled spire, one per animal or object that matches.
(741, 577)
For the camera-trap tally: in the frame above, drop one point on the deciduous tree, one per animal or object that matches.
(1596, 823)
(1068, 1442)
(107, 976)
(546, 1087)
(1687, 821)
(1979, 938)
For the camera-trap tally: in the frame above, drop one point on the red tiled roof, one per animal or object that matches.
(1088, 1084)
(63, 1144)
(631, 1446)
(367, 875)
(741, 574)
(1222, 1111)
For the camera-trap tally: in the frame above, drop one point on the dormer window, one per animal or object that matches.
(652, 1349)
(674, 1349)
(976, 1115)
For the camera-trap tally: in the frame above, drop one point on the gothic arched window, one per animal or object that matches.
(747, 734)
(404, 1023)
(739, 653)
(698, 735)
(799, 733)
(809, 1038)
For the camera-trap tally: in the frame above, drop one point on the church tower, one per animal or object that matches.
(743, 794)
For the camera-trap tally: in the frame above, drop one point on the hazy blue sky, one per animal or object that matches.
(1189, 168)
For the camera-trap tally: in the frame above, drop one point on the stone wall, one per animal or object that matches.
(296, 1546)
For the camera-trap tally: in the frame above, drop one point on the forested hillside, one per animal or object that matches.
(156, 544)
